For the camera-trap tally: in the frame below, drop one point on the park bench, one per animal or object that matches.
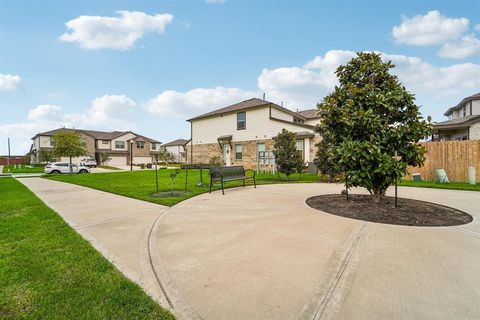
(232, 173)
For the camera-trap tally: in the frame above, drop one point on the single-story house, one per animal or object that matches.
(242, 133)
(118, 145)
(463, 121)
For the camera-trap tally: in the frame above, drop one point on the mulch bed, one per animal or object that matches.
(168, 194)
(408, 213)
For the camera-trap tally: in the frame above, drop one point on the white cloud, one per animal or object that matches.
(477, 27)
(121, 33)
(216, 1)
(109, 112)
(9, 82)
(432, 28)
(45, 112)
(435, 87)
(465, 47)
(172, 103)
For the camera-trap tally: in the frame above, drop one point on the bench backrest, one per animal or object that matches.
(231, 171)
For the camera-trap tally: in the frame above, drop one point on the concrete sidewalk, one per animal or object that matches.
(116, 226)
(264, 254)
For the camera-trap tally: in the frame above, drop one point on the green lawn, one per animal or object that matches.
(48, 271)
(109, 167)
(141, 184)
(23, 169)
(451, 185)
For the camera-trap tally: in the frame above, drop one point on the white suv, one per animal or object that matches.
(88, 162)
(64, 167)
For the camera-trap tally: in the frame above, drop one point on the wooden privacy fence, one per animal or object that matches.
(453, 156)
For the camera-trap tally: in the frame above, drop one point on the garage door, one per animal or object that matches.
(117, 161)
(140, 160)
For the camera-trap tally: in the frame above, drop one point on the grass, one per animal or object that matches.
(47, 271)
(141, 184)
(109, 168)
(23, 169)
(437, 185)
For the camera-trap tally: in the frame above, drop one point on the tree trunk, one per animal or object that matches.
(71, 169)
(377, 195)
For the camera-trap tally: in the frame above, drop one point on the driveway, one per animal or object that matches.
(264, 254)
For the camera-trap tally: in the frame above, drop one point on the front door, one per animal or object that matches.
(226, 154)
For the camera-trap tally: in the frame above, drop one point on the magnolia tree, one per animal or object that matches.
(68, 144)
(371, 126)
(288, 158)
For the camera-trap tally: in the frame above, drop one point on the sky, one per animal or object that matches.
(147, 66)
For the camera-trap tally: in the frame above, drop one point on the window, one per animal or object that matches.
(104, 141)
(300, 147)
(140, 144)
(464, 111)
(241, 120)
(238, 152)
(298, 120)
(154, 146)
(119, 144)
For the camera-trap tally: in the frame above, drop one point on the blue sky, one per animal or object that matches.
(196, 56)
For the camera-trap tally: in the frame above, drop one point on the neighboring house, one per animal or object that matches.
(463, 121)
(242, 134)
(177, 149)
(116, 144)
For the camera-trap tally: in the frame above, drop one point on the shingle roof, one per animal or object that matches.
(178, 142)
(247, 104)
(99, 135)
(458, 122)
(464, 100)
(309, 113)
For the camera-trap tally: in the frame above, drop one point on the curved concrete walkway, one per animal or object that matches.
(264, 254)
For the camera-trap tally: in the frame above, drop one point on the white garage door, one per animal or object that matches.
(117, 161)
(140, 160)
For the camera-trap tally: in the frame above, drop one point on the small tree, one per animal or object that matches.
(287, 157)
(215, 162)
(104, 158)
(367, 120)
(68, 144)
(173, 175)
(45, 156)
(164, 156)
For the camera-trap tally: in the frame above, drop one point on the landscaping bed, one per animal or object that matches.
(409, 212)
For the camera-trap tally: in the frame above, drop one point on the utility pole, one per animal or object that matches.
(8, 157)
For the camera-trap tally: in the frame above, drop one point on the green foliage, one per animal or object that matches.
(173, 175)
(215, 162)
(48, 271)
(46, 156)
(68, 144)
(287, 158)
(104, 158)
(368, 119)
(164, 156)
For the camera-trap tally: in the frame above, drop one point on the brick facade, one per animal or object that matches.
(202, 153)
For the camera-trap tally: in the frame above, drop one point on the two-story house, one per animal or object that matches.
(242, 133)
(177, 149)
(463, 121)
(120, 146)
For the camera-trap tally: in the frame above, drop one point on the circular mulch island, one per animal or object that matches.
(169, 194)
(408, 213)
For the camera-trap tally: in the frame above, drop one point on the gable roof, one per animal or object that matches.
(178, 142)
(461, 103)
(309, 113)
(98, 135)
(244, 105)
